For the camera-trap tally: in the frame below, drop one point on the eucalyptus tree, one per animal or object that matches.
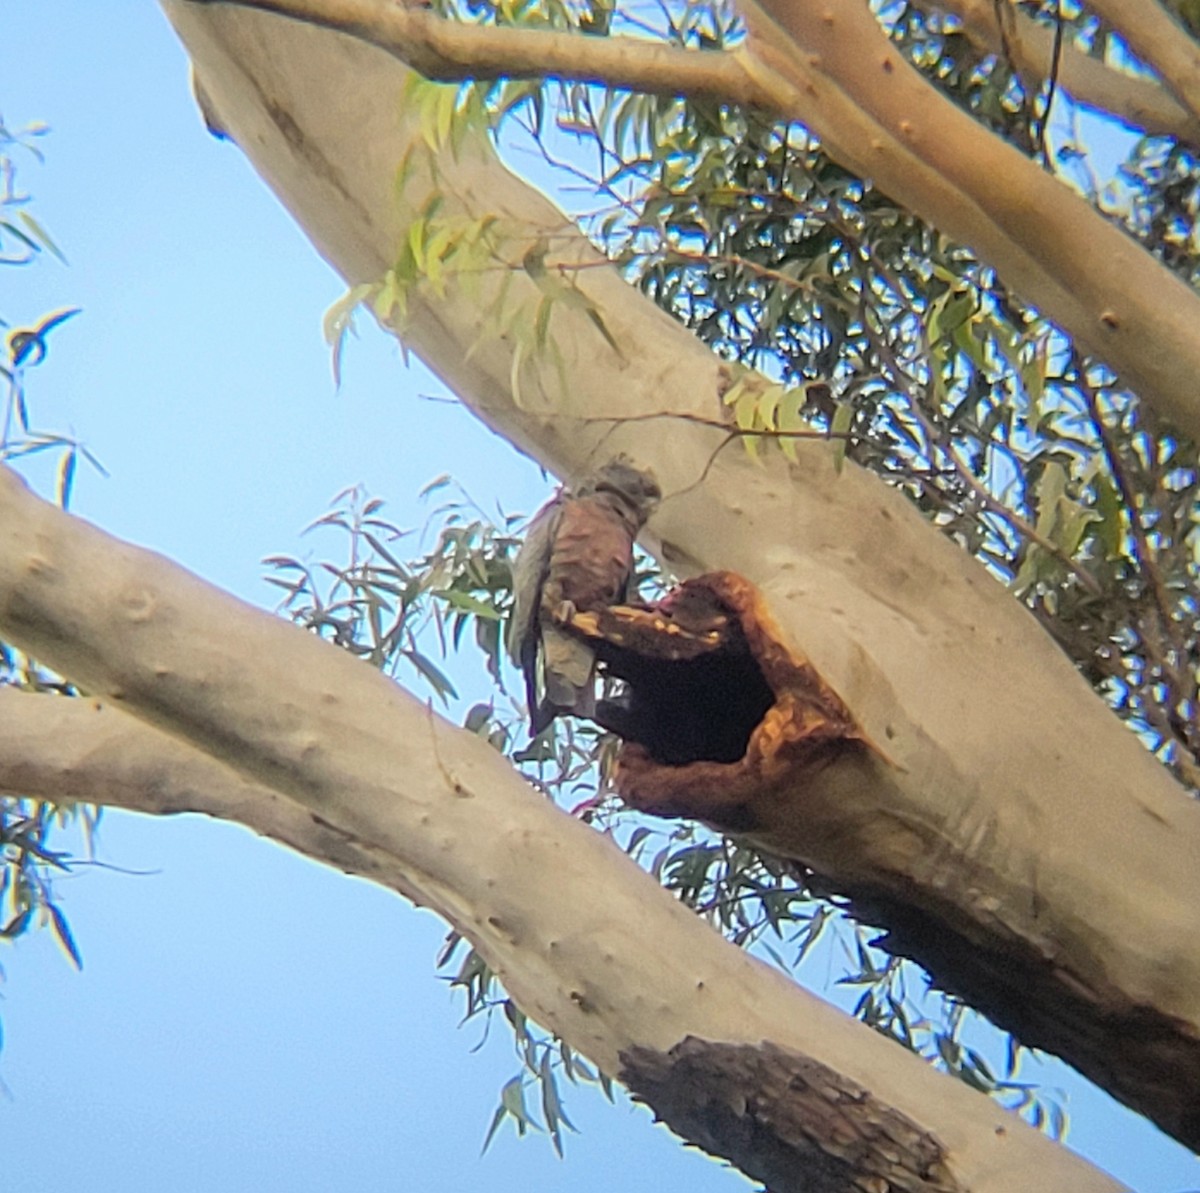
(908, 362)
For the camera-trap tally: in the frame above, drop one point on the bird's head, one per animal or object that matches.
(635, 488)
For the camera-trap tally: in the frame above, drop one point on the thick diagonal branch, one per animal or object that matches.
(881, 118)
(1135, 101)
(452, 51)
(1160, 42)
(87, 751)
(548, 902)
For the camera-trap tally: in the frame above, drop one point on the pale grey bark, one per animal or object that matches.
(1000, 747)
(1016, 810)
(353, 770)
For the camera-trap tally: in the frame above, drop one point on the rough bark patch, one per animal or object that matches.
(1143, 1057)
(786, 1120)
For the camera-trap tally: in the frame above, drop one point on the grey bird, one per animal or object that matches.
(578, 552)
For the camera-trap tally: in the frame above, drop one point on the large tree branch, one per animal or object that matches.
(831, 67)
(875, 111)
(1138, 103)
(372, 781)
(938, 664)
(87, 751)
(1160, 42)
(452, 51)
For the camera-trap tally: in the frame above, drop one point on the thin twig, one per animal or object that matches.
(1051, 86)
(911, 387)
(1143, 553)
(1010, 60)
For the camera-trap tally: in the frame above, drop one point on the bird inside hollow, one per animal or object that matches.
(578, 551)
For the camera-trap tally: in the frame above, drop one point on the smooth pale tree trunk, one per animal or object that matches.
(195, 707)
(1021, 842)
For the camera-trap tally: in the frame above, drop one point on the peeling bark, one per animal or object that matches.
(719, 711)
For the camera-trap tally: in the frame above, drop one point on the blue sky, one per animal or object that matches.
(246, 1019)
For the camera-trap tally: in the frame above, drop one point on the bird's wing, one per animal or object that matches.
(529, 572)
(568, 671)
(578, 550)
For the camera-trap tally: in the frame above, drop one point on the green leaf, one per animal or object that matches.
(811, 933)
(1033, 374)
(341, 311)
(957, 312)
(541, 325)
(949, 1051)
(512, 1098)
(40, 234)
(416, 242)
(435, 678)
(478, 718)
(1032, 567)
(497, 1119)
(843, 417)
(514, 373)
(791, 419)
(1074, 520)
(447, 103)
(469, 604)
(1109, 528)
(552, 1107)
(28, 241)
(745, 407)
(62, 931)
(593, 313)
(534, 261)
(18, 924)
(1051, 488)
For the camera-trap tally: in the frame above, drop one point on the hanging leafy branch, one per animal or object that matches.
(29, 862)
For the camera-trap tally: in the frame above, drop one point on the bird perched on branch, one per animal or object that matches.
(577, 555)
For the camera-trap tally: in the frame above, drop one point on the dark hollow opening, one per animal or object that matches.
(700, 709)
